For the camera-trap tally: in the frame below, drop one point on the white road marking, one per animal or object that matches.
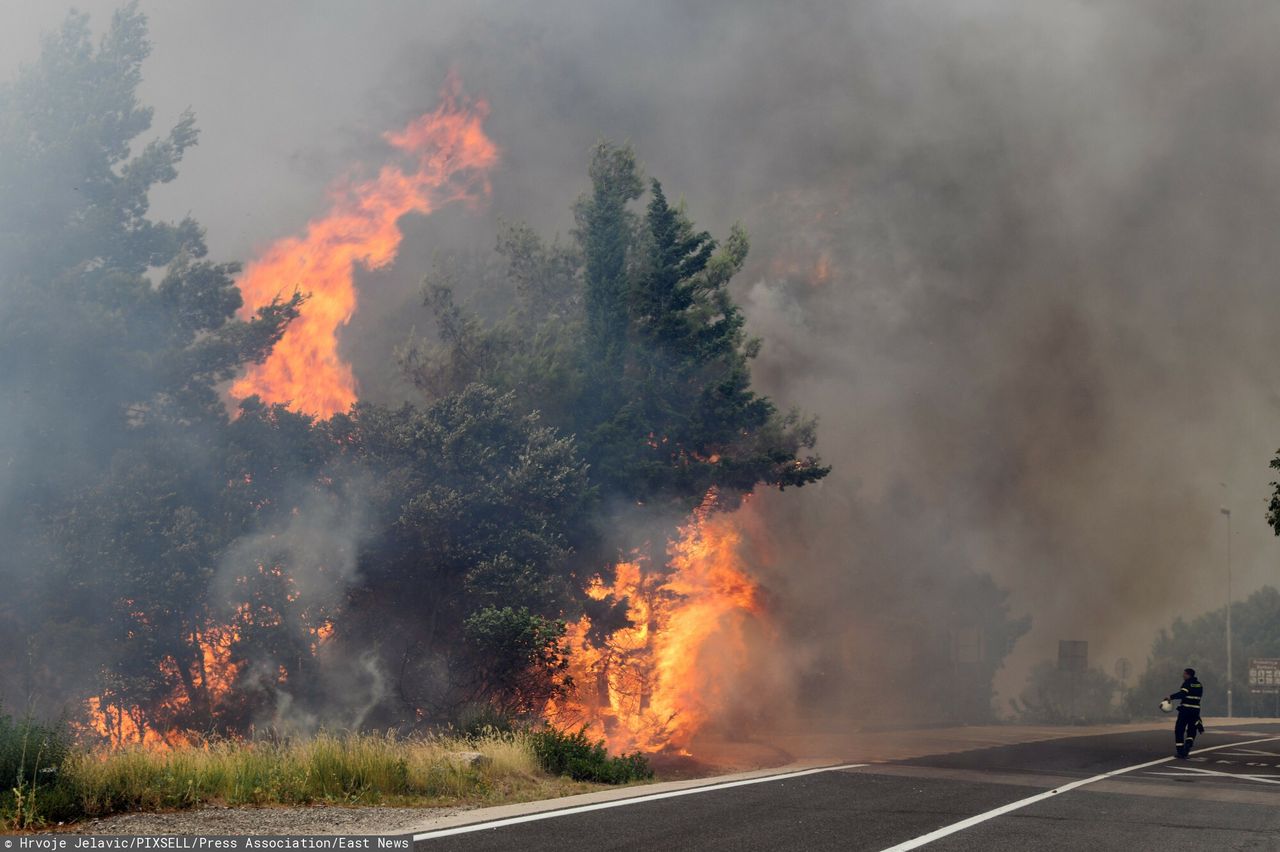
(617, 803)
(1195, 770)
(917, 842)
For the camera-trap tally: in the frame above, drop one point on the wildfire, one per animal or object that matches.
(207, 682)
(321, 634)
(453, 158)
(653, 685)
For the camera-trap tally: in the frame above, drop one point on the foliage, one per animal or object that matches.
(575, 755)
(32, 756)
(474, 507)
(435, 548)
(605, 233)
(629, 341)
(518, 662)
(648, 367)
(966, 692)
(1202, 645)
(328, 768)
(1055, 697)
(943, 669)
(114, 332)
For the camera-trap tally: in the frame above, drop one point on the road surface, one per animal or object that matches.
(1095, 792)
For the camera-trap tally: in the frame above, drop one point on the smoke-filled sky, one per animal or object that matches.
(1019, 258)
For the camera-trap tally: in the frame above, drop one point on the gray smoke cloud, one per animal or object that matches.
(316, 546)
(1017, 257)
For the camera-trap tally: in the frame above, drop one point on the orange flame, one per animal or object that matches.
(304, 370)
(321, 634)
(653, 685)
(214, 674)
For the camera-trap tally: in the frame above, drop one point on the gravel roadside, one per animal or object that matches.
(317, 819)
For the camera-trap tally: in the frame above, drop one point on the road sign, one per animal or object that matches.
(1264, 675)
(1073, 656)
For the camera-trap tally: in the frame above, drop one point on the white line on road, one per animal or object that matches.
(1195, 770)
(617, 803)
(916, 843)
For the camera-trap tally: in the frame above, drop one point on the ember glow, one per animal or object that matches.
(652, 686)
(453, 157)
(207, 681)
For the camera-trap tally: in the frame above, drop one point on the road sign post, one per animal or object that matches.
(1264, 679)
(1073, 658)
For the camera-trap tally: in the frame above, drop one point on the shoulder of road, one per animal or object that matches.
(811, 751)
(981, 787)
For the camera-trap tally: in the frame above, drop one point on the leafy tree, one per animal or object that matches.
(1202, 644)
(114, 332)
(974, 630)
(546, 277)
(441, 544)
(475, 507)
(517, 661)
(652, 374)
(630, 342)
(605, 233)
(1054, 697)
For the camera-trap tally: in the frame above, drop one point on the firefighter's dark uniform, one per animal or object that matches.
(1184, 732)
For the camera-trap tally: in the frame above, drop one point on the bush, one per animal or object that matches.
(1053, 697)
(482, 721)
(32, 789)
(562, 753)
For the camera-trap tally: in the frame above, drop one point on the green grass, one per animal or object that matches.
(353, 769)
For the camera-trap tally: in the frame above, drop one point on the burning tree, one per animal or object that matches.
(115, 331)
(545, 532)
(630, 340)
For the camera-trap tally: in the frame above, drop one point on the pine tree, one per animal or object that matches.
(605, 234)
(115, 330)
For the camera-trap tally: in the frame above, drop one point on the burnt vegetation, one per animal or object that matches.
(197, 572)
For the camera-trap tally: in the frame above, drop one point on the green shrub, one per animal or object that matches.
(32, 789)
(562, 753)
(480, 721)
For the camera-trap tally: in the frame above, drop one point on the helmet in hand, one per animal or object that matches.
(1166, 706)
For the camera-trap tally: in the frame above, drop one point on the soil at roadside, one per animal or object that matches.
(315, 819)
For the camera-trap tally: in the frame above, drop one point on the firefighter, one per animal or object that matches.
(1188, 724)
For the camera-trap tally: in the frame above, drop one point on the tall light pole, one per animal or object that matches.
(1224, 510)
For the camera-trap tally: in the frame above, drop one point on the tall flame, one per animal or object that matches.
(453, 158)
(653, 685)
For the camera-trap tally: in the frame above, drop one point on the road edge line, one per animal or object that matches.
(617, 803)
(946, 830)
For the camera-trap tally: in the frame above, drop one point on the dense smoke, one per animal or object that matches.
(1017, 259)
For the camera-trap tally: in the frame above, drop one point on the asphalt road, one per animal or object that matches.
(1227, 796)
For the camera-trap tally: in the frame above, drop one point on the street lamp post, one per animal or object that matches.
(1227, 512)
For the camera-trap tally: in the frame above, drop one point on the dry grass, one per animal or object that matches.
(336, 769)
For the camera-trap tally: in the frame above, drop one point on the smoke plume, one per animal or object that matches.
(1016, 257)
